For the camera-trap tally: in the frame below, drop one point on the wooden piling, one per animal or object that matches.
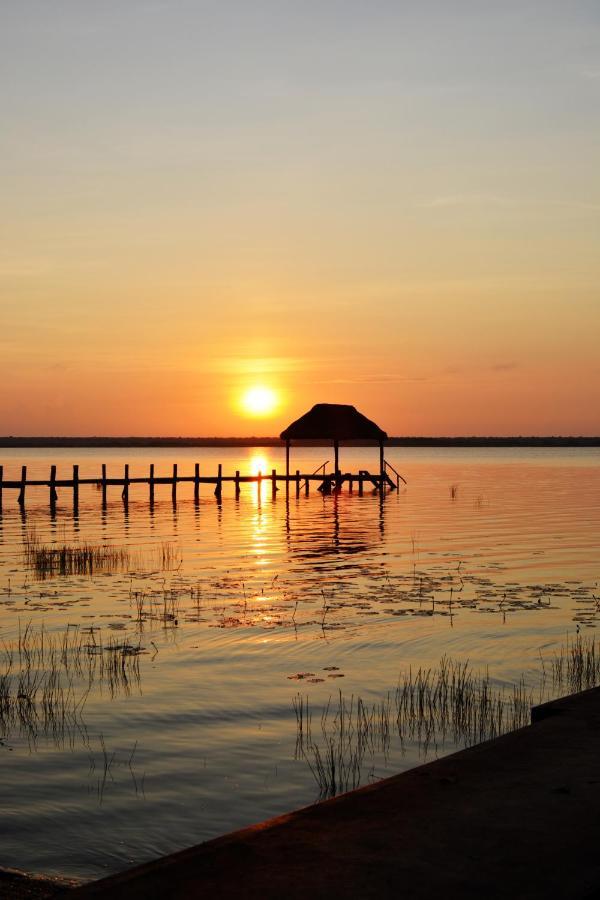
(174, 487)
(75, 487)
(196, 482)
(21, 497)
(237, 484)
(259, 485)
(219, 485)
(273, 484)
(125, 494)
(1, 480)
(297, 483)
(53, 494)
(306, 488)
(103, 485)
(360, 485)
(151, 483)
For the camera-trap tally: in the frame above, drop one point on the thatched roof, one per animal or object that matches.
(333, 422)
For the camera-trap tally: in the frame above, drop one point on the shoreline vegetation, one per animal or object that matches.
(8, 442)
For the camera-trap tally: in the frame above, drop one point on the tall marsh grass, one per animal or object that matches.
(450, 705)
(46, 678)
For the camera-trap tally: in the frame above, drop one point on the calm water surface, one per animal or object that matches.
(225, 612)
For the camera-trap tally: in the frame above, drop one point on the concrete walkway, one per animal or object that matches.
(517, 817)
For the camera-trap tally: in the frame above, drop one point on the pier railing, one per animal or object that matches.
(388, 466)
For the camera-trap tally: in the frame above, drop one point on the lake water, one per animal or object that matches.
(153, 703)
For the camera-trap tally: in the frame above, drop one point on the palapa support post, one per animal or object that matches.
(125, 494)
(21, 497)
(75, 488)
(274, 484)
(237, 484)
(219, 485)
(174, 486)
(196, 482)
(103, 485)
(297, 483)
(53, 494)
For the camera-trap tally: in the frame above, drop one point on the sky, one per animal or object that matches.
(390, 204)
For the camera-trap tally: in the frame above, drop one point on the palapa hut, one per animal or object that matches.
(333, 422)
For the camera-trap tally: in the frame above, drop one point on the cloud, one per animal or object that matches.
(447, 201)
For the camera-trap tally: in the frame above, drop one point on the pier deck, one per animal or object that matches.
(297, 482)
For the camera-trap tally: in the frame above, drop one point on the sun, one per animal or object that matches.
(259, 401)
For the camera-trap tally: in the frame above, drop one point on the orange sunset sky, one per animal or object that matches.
(390, 204)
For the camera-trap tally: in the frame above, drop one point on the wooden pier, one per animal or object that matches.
(298, 483)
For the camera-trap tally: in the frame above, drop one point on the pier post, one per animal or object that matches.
(287, 467)
(360, 485)
(75, 488)
(381, 466)
(125, 494)
(103, 485)
(196, 482)
(151, 483)
(219, 485)
(237, 484)
(297, 483)
(21, 497)
(174, 488)
(259, 484)
(274, 484)
(1, 480)
(53, 494)
(306, 488)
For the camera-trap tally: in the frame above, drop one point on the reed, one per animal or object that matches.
(576, 665)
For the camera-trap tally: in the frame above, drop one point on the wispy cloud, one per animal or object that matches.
(468, 199)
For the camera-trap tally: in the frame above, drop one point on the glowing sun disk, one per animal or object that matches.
(259, 401)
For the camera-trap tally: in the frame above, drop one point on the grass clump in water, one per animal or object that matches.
(49, 560)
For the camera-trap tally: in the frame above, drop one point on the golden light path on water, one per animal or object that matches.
(180, 656)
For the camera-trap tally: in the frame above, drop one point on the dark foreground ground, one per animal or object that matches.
(518, 817)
